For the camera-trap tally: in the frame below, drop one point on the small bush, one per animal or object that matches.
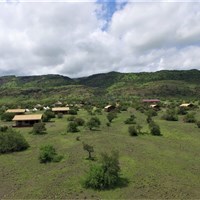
(190, 118)
(182, 111)
(39, 129)
(79, 121)
(3, 128)
(154, 129)
(198, 124)
(72, 127)
(94, 122)
(130, 120)
(48, 115)
(59, 115)
(48, 154)
(73, 112)
(104, 175)
(111, 115)
(71, 118)
(11, 141)
(132, 131)
(7, 116)
(170, 115)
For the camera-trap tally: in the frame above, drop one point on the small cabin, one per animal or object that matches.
(151, 101)
(16, 111)
(63, 110)
(187, 105)
(109, 108)
(155, 107)
(27, 120)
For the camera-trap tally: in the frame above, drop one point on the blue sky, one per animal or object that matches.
(109, 7)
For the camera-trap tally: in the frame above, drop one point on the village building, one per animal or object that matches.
(63, 110)
(27, 120)
(16, 111)
(155, 107)
(109, 108)
(152, 101)
(187, 105)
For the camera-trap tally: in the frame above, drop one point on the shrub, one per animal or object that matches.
(72, 127)
(71, 118)
(170, 115)
(149, 119)
(79, 121)
(154, 129)
(48, 154)
(130, 120)
(132, 131)
(198, 124)
(151, 113)
(94, 122)
(39, 128)
(111, 115)
(89, 149)
(11, 141)
(190, 118)
(48, 115)
(7, 116)
(104, 175)
(59, 115)
(182, 111)
(3, 128)
(73, 112)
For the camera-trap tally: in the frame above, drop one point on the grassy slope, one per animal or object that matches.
(156, 167)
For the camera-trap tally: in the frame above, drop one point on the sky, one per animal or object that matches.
(84, 37)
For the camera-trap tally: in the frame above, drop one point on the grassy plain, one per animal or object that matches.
(164, 167)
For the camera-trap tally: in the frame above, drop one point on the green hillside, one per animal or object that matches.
(161, 84)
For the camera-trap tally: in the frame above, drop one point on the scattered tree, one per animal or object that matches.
(154, 129)
(59, 115)
(11, 141)
(105, 174)
(130, 120)
(111, 115)
(72, 127)
(170, 115)
(94, 122)
(89, 149)
(7, 116)
(48, 154)
(190, 118)
(39, 128)
(132, 131)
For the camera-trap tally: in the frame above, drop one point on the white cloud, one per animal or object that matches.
(66, 38)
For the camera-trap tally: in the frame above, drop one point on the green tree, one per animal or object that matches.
(11, 141)
(111, 116)
(154, 129)
(105, 174)
(72, 127)
(132, 131)
(170, 115)
(39, 128)
(190, 118)
(48, 154)
(89, 149)
(48, 115)
(7, 116)
(94, 122)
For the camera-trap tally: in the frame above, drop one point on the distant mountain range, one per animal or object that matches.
(166, 83)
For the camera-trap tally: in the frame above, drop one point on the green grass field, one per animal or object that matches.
(164, 167)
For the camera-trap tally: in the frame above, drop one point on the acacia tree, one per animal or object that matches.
(94, 122)
(105, 174)
(89, 149)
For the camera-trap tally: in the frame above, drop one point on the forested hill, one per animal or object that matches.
(108, 79)
(167, 83)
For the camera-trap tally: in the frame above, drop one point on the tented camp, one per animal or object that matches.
(155, 107)
(16, 111)
(63, 110)
(109, 108)
(27, 120)
(187, 105)
(151, 101)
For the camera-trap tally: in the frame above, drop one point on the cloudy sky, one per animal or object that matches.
(79, 38)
